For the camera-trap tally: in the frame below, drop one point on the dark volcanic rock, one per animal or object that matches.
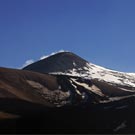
(60, 62)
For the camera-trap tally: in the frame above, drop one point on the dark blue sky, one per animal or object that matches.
(101, 31)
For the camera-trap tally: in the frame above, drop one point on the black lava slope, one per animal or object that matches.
(59, 62)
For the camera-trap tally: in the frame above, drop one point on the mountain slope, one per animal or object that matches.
(67, 63)
(40, 103)
(66, 93)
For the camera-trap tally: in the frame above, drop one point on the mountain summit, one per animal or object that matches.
(59, 62)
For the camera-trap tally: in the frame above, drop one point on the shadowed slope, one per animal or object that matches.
(60, 62)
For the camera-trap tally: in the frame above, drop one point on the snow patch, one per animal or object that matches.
(91, 71)
(53, 53)
(93, 88)
(74, 64)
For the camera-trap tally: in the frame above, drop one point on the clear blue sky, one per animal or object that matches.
(101, 31)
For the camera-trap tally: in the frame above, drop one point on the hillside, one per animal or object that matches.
(66, 94)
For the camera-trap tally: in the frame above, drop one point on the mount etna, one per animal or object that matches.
(64, 93)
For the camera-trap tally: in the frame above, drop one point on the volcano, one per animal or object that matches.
(69, 64)
(60, 62)
(64, 93)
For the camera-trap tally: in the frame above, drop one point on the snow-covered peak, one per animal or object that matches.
(92, 71)
(68, 63)
(111, 75)
(132, 74)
